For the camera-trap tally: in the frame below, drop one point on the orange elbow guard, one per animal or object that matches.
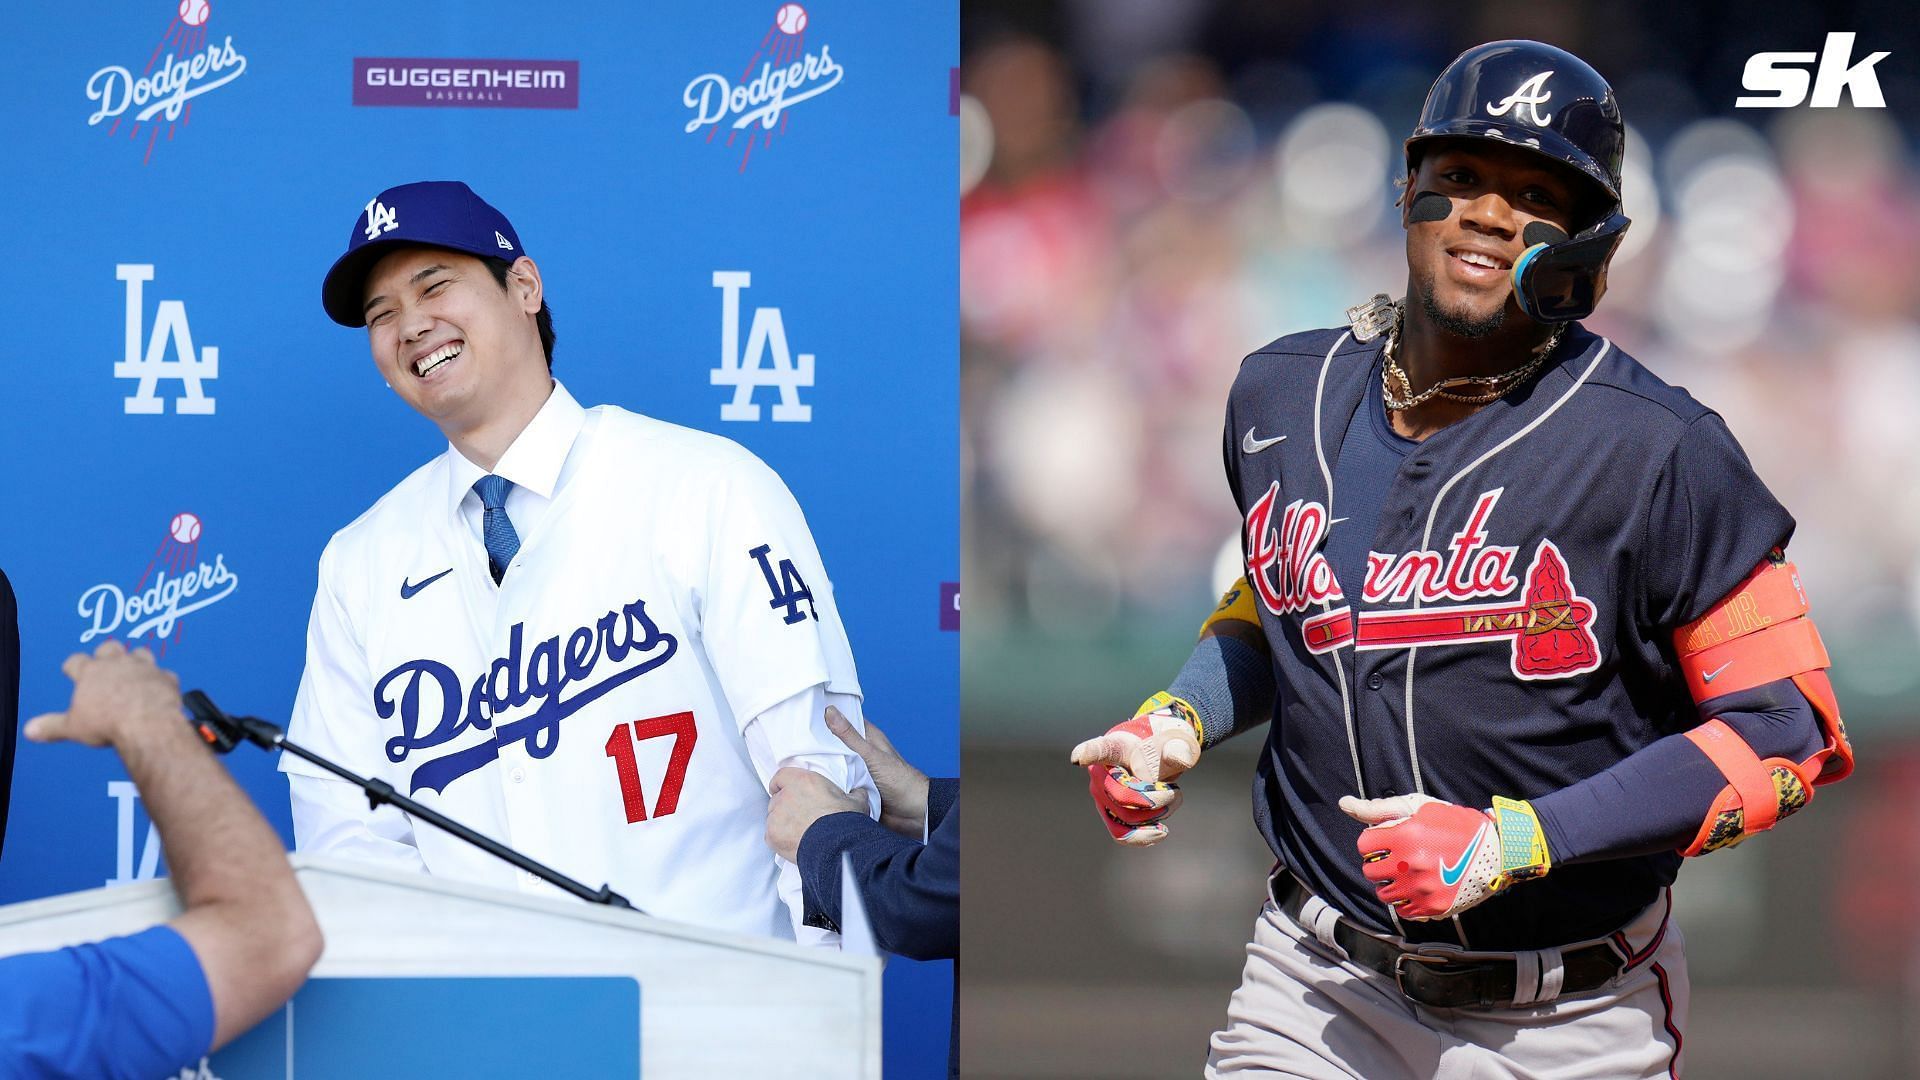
(1757, 634)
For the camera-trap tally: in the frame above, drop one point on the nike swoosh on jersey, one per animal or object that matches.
(408, 589)
(1450, 875)
(1708, 677)
(1251, 445)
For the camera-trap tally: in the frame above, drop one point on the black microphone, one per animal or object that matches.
(223, 732)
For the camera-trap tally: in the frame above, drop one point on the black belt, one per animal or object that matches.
(1435, 975)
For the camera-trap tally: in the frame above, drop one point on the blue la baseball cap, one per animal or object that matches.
(433, 213)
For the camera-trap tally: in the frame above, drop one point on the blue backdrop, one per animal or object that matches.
(181, 407)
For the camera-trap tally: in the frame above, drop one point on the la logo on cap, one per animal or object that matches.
(381, 218)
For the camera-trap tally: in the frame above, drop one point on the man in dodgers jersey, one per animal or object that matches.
(1520, 618)
(589, 634)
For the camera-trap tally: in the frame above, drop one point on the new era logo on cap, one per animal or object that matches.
(439, 213)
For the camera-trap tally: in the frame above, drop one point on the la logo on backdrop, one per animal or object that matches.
(147, 365)
(177, 582)
(181, 66)
(768, 361)
(780, 74)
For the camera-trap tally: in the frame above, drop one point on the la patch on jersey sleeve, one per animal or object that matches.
(767, 615)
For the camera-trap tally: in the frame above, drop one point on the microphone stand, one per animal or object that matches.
(223, 733)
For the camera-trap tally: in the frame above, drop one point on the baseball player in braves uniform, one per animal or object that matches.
(589, 634)
(1519, 624)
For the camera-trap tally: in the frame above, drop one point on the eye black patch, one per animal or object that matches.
(1539, 232)
(1429, 206)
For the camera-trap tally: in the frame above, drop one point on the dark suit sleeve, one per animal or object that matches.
(9, 695)
(942, 794)
(911, 890)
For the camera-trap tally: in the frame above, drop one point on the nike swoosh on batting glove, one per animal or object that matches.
(1430, 859)
(1131, 768)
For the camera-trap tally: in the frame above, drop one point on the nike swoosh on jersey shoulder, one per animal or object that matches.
(1251, 445)
(409, 589)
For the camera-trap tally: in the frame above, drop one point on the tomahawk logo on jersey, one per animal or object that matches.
(605, 707)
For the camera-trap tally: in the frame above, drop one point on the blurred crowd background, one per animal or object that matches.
(1152, 189)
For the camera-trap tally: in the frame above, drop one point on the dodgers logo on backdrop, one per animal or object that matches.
(176, 583)
(766, 362)
(149, 365)
(471, 84)
(181, 67)
(433, 709)
(781, 73)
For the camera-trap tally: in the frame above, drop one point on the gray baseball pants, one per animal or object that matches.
(1303, 1011)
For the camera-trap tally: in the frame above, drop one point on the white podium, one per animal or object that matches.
(711, 1004)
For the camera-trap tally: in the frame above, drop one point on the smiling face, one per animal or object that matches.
(450, 341)
(1460, 266)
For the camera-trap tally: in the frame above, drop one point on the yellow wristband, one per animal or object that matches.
(1178, 706)
(1523, 846)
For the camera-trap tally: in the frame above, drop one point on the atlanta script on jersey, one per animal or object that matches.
(589, 709)
(1510, 635)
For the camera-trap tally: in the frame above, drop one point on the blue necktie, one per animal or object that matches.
(496, 528)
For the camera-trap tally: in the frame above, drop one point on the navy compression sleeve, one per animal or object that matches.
(1655, 799)
(1229, 683)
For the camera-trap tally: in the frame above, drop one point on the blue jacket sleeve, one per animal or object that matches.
(135, 1007)
(911, 890)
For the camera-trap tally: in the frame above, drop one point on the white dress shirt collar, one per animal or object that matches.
(534, 460)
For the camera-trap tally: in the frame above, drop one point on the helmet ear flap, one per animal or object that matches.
(1557, 279)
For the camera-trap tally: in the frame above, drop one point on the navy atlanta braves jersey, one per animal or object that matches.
(1510, 634)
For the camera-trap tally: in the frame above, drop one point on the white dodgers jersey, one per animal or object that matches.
(589, 709)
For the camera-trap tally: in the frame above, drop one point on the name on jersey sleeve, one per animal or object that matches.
(1548, 624)
(434, 709)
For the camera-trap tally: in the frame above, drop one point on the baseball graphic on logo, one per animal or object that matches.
(195, 12)
(791, 18)
(186, 527)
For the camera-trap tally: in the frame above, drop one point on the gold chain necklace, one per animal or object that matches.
(1496, 386)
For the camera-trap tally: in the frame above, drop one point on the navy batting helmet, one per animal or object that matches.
(1540, 98)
